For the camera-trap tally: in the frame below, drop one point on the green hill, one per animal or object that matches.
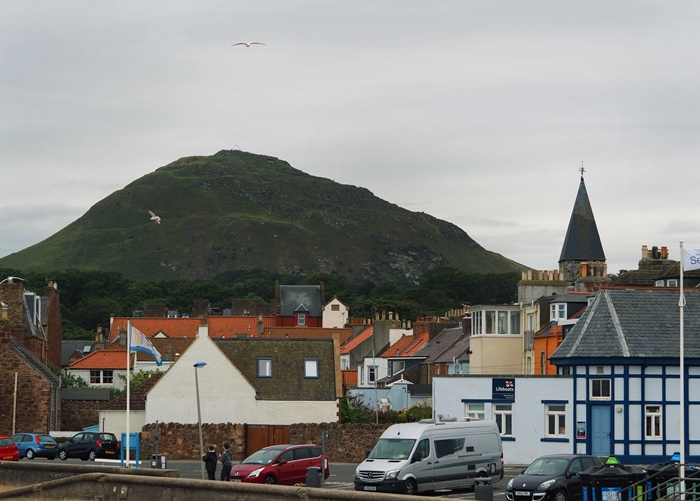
(236, 210)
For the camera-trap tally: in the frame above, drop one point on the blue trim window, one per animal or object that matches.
(556, 420)
(600, 389)
(652, 418)
(264, 367)
(503, 415)
(474, 410)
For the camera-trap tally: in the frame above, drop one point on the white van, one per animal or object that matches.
(429, 455)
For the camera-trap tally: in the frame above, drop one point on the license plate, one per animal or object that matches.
(235, 480)
(7, 457)
(49, 446)
(370, 488)
(522, 493)
(109, 452)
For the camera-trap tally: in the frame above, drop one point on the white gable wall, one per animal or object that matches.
(335, 319)
(225, 394)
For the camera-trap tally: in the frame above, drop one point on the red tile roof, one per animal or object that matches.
(307, 333)
(406, 346)
(103, 359)
(150, 326)
(349, 377)
(230, 326)
(355, 342)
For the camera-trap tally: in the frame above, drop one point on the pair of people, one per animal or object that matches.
(211, 460)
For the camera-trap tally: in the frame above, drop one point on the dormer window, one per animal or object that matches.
(301, 318)
(557, 312)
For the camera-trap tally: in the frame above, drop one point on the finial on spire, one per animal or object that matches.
(582, 170)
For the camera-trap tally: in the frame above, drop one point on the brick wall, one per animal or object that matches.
(54, 328)
(33, 394)
(346, 443)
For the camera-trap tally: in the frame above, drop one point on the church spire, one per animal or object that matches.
(582, 242)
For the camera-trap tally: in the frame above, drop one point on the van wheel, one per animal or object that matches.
(560, 496)
(409, 487)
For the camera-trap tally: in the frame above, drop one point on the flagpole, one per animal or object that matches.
(128, 384)
(681, 305)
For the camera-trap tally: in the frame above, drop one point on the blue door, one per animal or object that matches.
(600, 430)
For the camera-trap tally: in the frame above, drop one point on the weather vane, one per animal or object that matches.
(582, 170)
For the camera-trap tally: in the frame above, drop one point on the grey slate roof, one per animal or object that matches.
(582, 242)
(634, 324)
(572, 298)
(299, 297)
(440, 343)
(69, 347)
(459, 350)
(36, 364)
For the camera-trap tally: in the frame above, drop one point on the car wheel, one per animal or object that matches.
(29, 454)
(270, 479)
(559, 496)
(93, 455)
(409, 487)
(63, 455)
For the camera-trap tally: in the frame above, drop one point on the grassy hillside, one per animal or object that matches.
(240, 211)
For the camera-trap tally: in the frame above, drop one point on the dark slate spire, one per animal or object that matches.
(582, 242)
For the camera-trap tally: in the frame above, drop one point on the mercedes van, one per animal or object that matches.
(418, 457)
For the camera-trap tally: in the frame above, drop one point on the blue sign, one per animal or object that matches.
(503, 389)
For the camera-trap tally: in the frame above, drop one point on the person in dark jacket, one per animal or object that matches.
(210, 459)
(226, 457)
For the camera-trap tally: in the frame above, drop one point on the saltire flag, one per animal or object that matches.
(691, 259)
(139, 342)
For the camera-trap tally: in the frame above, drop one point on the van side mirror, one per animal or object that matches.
(417, 457)
(367, 454)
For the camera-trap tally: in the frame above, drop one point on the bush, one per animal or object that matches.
(352, 410)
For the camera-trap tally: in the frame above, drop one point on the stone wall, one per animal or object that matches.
(33, 393)
(79, 414)
(181, 441)
(346, 443)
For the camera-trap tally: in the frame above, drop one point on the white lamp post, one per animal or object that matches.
(199, 414)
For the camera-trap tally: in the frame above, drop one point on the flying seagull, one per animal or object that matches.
(11, 280)
(248, 44)
(154, 217)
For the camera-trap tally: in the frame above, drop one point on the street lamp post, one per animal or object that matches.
(199, 365)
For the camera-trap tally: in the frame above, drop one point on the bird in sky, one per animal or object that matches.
(154, 217)
(248, 44)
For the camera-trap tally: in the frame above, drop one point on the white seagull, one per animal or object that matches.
(248, 44)
(11, 280)
(154, 217)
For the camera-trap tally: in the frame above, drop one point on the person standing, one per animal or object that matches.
(210, 459)
(226, 457)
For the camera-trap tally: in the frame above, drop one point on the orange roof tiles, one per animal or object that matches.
(230, 326)
(103, 359)
(307, 333)
(355, 342)
(150, 326)
(349, 377)
(406, 346)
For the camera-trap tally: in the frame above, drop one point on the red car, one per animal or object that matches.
(280, 464)
(8, 449)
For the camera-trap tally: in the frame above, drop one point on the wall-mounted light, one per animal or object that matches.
(618, 409)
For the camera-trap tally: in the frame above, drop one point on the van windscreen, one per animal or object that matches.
(392, 449)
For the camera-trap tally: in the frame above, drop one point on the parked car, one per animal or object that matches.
(551, 478)
(280, 464)
(90, 445)
(33, 445)
(8, 449)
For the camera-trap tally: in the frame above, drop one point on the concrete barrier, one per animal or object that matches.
(117, 487)
(20, 473)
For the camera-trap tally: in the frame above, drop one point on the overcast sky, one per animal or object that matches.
(476, 112)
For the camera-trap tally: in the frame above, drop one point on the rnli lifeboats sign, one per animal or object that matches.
(503, 389)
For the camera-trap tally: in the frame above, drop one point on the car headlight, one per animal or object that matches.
(357, 472)
(392, 474)
(255, 473)
(546, 485)
(510, 484)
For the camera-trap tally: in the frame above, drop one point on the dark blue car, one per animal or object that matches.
(33, 445)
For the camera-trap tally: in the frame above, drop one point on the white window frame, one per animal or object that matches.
(659, 283)
(653, 429)
(672, 282)
(301, 318)
(601, 395)
(98, 377)
(474, 410)
(372, 371)
(311, 368)
(555, 414)
(502, 414)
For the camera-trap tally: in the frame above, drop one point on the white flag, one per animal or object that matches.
(139, 342)
(691, 259)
